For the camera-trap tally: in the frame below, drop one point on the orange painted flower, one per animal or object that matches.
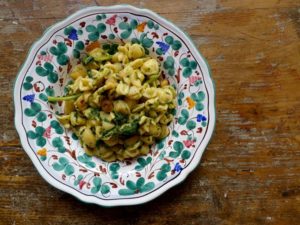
(92, 46)
(141, 27)
(191, 102)
(42, 152)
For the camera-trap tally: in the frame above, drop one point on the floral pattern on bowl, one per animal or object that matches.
(56, 152)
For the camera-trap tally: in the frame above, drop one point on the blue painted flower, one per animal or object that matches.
(201, 118)
(163, 46)
(29, 98)
(177, 167)
(73, 35)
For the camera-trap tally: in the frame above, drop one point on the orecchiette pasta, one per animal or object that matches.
(117, 103)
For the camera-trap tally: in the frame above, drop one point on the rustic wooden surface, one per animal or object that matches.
(250, 172)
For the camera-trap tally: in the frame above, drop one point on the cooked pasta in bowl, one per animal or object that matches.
(114, 105)
(117, 103)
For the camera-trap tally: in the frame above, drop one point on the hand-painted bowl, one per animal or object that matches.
(56, 152)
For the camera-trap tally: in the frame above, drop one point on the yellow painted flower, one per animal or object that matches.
(191, 102)
(42, 152)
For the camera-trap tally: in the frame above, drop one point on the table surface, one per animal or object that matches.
(250, 172)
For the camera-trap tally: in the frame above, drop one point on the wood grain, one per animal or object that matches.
(250, 172)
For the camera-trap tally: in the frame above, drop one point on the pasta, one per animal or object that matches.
(117, 103)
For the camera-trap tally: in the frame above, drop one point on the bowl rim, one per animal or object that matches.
(156, 193)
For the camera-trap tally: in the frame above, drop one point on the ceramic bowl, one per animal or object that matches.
(56, 152)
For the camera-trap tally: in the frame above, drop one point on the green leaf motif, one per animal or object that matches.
(62, 47)
(111, 36)
(140, 182)
(31, 134)
(29, 79)
(184, 62)
(185, 154)
(138, 187)
(41, 71)
(29, 112)
(191, 125)
(63, 160)
(133, 24)
(150, 24)
(125, 34)
(43, 97)
(48, 66)
(199, 106)
(114, 167)
(53, 77)
(36, 107)
(40, 141)
(101, 27)
(57, 142)
(175, 133)
(182, 120)
(161, 176)
(124, 26)
(147, 42)
(41, 117)
(76, 54)
(91, 28)
(62, 60)
(54, 51)
(50, 91)
(93, 36)
(159, 51)
(169, 62)
(185, 113)
(58, 166)
(39, 130)
(169, 40)
(79, 45)
(193, 65)
(126, 192)
(59, 130)
(68, 30)
(187, 72)
(176, 45)
(69, 170)
(130, 185)
(178, 146)
(54, 124)
(104, 189)
(142, 163)
(87, 160)
(147, 187)
(27, 86)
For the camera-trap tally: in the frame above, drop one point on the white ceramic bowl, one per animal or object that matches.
(56, 152)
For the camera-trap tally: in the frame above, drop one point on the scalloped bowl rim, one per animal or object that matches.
(158, 192)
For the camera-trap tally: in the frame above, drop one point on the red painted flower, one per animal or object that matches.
(81, 184)
(188, 143)
(112, 20)
(47, 133)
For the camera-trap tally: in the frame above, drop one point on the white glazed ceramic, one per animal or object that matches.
(56, 152)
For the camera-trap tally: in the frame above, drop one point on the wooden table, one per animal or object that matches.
(250, 172)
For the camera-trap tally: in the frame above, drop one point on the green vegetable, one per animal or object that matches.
(62, 98)
(129, 129)
(111, 49)
(120, 118)
(99, 55)
(152, 78)
(87, 59)
(109, 133)
(91, 113)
